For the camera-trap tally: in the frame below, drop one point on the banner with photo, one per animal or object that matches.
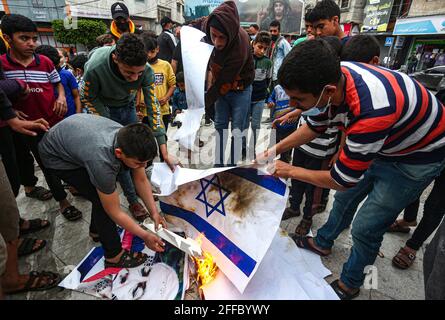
(263, 12)
(162, 277)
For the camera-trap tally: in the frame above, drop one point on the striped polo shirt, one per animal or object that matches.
(386, 115)
(324, 146)
(41, 76)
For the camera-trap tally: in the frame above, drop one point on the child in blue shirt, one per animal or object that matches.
(179, 101)
(71, 87)
(279, 100)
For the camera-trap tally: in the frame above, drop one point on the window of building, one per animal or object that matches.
(344, 4)
(164, 12)
(179, 8)
(37, 3)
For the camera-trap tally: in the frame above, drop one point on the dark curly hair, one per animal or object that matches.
(137, 141)
(263, 37)
(309, 67)
(79, 61)
(325, 9)
(130, 50)
(49, 52)
(12, 23)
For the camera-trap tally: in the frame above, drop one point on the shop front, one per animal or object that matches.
(427, 46)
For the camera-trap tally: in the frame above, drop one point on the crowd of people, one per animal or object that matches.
(337, 120)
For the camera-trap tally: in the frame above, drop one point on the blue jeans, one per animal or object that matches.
(234, 105)
(390, 187)
(256, 112)
(125, 115)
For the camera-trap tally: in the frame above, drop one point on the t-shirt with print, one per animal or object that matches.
(63, 147)
(41, 76)
(164, 79)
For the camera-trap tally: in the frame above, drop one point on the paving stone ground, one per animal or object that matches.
(68, 243)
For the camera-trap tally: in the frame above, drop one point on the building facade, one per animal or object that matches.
(423, 31)
(146, 14)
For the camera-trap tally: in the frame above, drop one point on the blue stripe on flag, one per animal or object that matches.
(89, 262)
(238, 257)
(271, 183)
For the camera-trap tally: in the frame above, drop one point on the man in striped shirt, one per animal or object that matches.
(395, 147)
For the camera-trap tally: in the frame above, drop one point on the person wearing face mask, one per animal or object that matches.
(121, 21)
(165, 79)
(387, 158)
(167, 41)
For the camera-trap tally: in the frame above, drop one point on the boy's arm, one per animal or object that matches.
(91, 91)
(76, 97)
(111, 205)
(60, 107)
(171, 83)
(154, 114)
(144, 191)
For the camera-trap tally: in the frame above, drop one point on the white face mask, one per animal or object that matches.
(323, 108)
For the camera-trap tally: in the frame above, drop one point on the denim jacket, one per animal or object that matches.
(279, 52)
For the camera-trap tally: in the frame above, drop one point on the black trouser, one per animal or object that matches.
(281, 135)
(300, 188)
(101, 223)
(433, 212)
(25, 161)
(7, 152)
(54, 183)
(166, 119)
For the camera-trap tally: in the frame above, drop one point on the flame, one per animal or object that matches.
(205, 266)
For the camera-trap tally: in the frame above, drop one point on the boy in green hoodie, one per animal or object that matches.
(113, 75)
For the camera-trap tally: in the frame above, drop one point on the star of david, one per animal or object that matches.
(223, 194)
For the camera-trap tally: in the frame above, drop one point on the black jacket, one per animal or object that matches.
(166, 46)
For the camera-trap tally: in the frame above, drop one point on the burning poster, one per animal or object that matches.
(235, 211)
(285, 273)
(162, 277)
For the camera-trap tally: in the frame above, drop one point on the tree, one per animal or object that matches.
(85, 33)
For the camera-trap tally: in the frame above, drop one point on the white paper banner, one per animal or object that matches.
(195, 57)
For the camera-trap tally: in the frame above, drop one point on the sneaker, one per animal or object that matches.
(138, 211)
(290, 213)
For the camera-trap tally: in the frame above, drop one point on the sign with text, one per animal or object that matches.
(377, 13)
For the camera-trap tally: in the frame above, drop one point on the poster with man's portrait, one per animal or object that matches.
(263, 12)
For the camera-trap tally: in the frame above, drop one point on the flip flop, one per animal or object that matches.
(128, 260)
(27, 246)
(343, 295)
(71, 213)
(39, 193)
(36, 282)
(303, 242)
(34, 226)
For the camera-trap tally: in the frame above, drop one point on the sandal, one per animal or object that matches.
(342, 294)
(71, 213)
(303, 242)
(28, 246)
(34, 225)
(39, 193)
(303, 227)
(128, 260)
(38, 281)
(94, 237)
(403, 259)
(396, 227)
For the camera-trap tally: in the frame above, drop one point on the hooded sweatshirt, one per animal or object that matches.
(232, 68)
